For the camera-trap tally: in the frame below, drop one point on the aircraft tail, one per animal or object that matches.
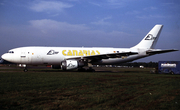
(150, 40)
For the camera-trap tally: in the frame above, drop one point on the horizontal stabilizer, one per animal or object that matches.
(159, 51)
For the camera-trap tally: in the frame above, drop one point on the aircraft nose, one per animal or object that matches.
(6, 57)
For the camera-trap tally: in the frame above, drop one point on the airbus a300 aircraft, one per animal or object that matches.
(68, 58)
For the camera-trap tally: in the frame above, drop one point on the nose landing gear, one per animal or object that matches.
(25, 69)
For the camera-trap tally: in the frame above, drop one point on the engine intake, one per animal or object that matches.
(71, 64)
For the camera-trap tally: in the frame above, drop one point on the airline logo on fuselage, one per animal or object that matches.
(52, 52)
(80, 52)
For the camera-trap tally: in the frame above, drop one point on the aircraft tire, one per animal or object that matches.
(81, 70)
(90, 70)
(172, 72)
(25, 69)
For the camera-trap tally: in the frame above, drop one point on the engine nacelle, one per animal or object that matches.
(71, 64)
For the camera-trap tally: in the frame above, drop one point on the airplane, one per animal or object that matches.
(69, 58)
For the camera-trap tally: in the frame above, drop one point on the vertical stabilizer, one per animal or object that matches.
(150, 40)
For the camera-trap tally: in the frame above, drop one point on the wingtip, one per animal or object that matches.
(175, 49)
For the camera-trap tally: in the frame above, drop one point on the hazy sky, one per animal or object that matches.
(89, 23)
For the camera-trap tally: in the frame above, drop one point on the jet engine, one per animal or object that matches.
(71, 64)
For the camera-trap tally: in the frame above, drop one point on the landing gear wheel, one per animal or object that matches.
(81, 70)
(90, 70)
(172, 72)
(25, 69)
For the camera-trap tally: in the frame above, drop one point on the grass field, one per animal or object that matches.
(108, 88)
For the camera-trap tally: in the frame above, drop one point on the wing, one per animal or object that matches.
(159, 51)
(110, 55)
(105, 56)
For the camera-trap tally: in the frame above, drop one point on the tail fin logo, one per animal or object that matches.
(150, 37)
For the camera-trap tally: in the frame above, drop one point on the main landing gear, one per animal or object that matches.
(90, 69)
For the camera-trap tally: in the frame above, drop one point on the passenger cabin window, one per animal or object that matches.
(11, 52)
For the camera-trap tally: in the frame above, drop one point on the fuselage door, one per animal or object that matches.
(25, 57)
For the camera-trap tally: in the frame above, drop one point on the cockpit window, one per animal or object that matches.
(11, 52)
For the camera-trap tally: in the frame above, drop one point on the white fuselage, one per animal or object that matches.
(55, 55)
